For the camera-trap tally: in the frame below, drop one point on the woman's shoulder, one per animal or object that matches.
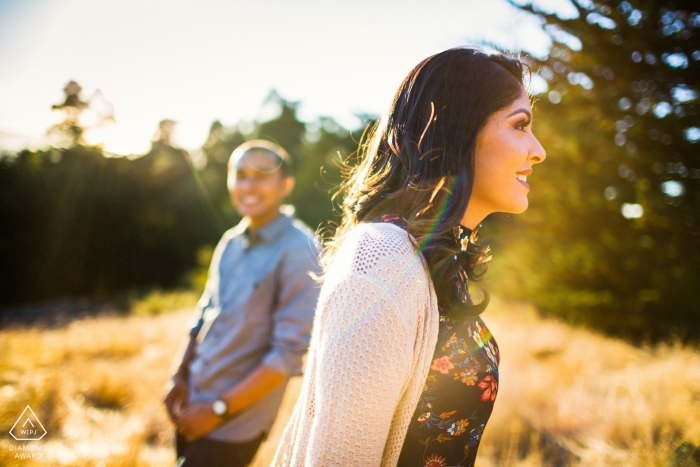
(378, 263)
(378, 250)
(383, 239)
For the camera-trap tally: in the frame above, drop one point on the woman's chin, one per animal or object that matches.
(518, 208)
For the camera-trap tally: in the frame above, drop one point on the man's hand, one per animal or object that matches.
(197, 420)
(176, 393)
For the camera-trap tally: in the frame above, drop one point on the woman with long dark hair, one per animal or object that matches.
(402, 370)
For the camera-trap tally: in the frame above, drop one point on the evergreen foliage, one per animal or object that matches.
(76, 223)
(612, 236)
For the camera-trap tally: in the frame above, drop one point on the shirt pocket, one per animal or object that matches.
(260, 306)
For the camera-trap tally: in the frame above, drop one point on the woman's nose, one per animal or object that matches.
(537, 152)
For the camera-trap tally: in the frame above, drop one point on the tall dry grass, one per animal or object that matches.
(571, 397)
(568, 397)
(95, 385)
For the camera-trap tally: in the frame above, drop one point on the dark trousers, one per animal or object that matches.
(210, 453)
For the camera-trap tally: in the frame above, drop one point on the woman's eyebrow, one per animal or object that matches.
(523, 110)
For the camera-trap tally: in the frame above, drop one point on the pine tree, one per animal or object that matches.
(612, 237)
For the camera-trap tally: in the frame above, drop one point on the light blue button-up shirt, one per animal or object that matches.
(258, 306)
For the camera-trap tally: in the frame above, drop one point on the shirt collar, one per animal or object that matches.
(271, 231)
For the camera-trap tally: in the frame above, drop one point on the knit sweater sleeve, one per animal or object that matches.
(365, 350)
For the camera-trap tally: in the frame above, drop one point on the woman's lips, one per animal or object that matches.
(522, 179)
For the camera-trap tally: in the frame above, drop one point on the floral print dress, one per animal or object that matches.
(457, 399)
(462, 383)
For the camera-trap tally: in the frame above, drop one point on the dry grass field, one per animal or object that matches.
(567, 397)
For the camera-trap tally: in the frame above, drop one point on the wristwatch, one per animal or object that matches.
(220, 407)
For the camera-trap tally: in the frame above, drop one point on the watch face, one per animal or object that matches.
(219, 407)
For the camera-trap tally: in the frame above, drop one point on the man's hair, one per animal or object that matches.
(268, 147)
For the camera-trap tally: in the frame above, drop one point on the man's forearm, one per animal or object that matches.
(258, 384)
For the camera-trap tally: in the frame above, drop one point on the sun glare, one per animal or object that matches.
(119, 140)
(188, 62)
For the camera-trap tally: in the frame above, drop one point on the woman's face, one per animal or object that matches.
(506, 150)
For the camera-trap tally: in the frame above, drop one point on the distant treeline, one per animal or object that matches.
(611, 240)
(76, 223)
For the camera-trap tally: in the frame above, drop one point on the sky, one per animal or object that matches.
(198, 61)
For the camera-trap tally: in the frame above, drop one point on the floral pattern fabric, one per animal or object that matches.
(457, 399)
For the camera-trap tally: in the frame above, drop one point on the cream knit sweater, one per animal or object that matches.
(373, 338)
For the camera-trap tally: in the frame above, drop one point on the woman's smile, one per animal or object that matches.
(522, 177)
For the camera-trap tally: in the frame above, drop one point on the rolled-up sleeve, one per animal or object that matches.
(293, 315)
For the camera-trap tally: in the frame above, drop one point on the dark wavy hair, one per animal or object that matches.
(418, 160)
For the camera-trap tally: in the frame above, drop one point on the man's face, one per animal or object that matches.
(257, 185)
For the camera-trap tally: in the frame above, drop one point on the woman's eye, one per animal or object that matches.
(522, 125)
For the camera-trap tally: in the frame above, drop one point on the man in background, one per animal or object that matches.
(254, 321)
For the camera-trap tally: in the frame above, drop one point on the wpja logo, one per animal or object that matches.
(28, 427)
